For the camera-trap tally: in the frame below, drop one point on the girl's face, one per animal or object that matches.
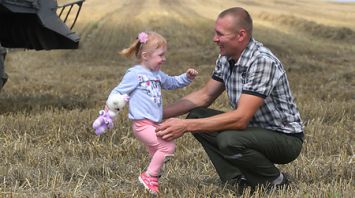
(154, 59)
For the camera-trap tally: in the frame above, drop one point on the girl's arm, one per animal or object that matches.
(175, 82)
(128, 83)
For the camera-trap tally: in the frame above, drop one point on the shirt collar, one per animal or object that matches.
(247, 52)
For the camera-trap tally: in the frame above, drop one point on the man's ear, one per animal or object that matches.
(242, 35)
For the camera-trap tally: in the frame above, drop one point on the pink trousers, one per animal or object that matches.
(158, 149)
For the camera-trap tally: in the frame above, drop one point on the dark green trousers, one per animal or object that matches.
(252, 152)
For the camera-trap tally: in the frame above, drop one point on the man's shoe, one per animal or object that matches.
(285, 182)
(239, 180)
(283, 185)
(240, 183)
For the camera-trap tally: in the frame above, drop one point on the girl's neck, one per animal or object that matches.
(145, 66)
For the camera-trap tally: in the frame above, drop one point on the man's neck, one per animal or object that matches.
(241, 49)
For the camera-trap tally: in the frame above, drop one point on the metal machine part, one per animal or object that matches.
(35, 24)
(3, 75)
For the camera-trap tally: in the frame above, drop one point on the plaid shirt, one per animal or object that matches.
(258, 72)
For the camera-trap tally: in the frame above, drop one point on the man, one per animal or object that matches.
(263, 129)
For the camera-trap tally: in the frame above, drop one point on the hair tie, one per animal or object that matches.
(143, 37)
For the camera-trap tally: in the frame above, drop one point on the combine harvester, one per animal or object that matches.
(38, 25)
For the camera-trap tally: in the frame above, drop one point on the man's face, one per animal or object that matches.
(226, 36)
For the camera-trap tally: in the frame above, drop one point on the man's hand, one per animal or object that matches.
(171, 129)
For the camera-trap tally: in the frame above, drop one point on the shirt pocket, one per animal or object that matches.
(243, 75)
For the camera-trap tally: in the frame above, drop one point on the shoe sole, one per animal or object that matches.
(146, 187)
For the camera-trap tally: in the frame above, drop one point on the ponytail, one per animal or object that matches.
(132, 49)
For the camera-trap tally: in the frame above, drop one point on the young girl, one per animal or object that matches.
(143, 83)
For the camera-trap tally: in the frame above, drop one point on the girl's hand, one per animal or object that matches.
(106, 108)
(191, 73)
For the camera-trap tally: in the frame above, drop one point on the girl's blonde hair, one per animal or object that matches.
(154, 42)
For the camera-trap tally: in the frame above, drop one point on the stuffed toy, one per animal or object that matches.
(104, 121)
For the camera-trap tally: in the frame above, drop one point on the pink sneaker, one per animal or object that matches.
(150, 183)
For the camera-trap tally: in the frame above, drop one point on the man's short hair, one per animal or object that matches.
(241, 16)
